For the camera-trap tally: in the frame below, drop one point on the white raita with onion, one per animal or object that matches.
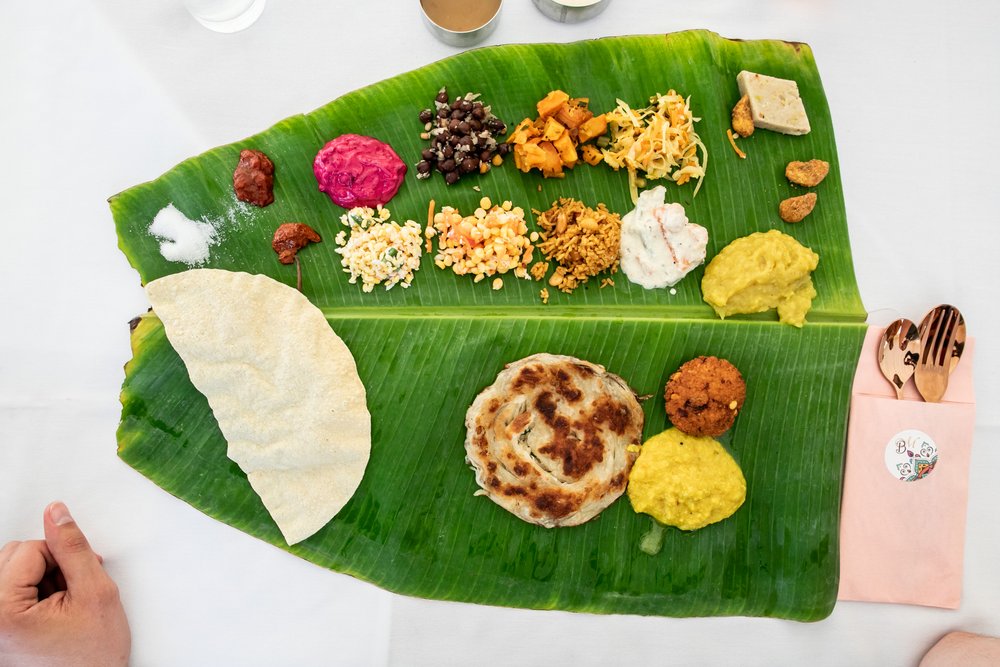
(658, 244)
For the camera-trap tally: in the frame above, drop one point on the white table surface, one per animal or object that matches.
(99, 95)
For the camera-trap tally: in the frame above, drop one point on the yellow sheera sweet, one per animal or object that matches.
(762, 271)
(686, 481)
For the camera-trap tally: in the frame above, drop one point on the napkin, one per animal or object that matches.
(906, 478)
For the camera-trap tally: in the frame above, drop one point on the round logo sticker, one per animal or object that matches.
(911, 455)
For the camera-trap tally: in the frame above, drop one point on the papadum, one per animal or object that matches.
(282, 385)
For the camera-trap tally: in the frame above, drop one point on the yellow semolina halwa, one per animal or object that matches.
(686, 481)
(759, 272)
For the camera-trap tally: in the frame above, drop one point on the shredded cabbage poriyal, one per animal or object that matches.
(658, 141)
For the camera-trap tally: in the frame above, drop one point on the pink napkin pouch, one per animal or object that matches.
(906, 482)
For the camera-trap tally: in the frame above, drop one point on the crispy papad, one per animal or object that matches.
(282, 385)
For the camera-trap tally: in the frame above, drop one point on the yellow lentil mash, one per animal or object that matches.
(762, 271)
(686, 481)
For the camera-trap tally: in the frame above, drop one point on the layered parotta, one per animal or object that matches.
(549, 439)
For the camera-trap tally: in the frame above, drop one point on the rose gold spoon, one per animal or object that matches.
(898, 353)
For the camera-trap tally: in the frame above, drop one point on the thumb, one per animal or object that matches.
(70, 550)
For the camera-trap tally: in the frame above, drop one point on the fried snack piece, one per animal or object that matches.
(795, 209)
(549, 439)
(807, 174)
(704, 396)
(742, 120)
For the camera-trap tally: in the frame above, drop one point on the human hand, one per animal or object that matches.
(58, 607)
(963, 648)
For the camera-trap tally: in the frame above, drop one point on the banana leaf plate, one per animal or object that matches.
(414, 526)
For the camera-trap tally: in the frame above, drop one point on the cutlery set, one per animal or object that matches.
(928, 353)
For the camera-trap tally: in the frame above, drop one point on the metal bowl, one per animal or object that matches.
(571, 11)
(464, 38)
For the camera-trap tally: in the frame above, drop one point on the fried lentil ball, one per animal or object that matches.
(795, 209)
(807, 174)
(704, 396)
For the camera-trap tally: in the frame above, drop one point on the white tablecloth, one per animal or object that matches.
(100, 95)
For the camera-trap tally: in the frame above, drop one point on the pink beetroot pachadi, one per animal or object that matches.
(354, 170)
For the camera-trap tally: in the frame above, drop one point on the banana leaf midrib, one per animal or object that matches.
(631, 313)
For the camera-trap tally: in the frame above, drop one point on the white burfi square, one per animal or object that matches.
(774, 103)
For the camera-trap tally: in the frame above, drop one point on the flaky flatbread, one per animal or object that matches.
(282, 385)
(549, 439)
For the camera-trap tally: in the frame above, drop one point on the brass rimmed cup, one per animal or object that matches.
(465, 35)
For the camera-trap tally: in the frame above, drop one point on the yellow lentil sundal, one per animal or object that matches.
(493, 240)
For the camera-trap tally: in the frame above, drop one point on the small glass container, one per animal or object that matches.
(225, 15)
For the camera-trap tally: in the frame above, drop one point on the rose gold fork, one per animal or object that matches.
(942, 340)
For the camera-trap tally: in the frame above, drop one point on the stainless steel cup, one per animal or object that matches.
(465, 38)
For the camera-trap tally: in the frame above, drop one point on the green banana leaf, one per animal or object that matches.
(425, 352)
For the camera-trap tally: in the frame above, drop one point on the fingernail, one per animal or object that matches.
(59, 513)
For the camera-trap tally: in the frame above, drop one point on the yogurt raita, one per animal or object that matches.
(658, 244)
